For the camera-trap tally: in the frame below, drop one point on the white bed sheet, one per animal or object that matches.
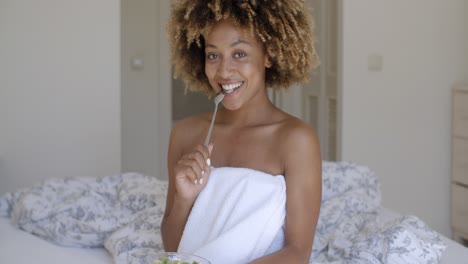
(455, 253)
(19, 247)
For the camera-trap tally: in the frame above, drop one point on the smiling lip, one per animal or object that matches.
(229, 88)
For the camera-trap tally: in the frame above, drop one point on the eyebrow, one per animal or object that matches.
(237, 42)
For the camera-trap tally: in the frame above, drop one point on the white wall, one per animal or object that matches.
(397, 121)
(59, 90)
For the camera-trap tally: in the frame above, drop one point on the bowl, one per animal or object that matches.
(179, 258)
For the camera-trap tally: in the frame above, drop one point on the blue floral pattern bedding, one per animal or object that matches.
(350, 231)
(123, 214)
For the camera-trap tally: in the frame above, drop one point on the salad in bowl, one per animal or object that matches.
(179, 258)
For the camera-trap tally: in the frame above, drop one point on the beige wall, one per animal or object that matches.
(59, 90)
(465, 43)
(140, 89)
(397, 120)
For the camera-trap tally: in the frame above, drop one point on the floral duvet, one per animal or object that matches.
(123, 213)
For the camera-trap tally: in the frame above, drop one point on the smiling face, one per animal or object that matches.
(235, 63)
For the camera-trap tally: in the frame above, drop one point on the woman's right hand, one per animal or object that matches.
(191, 173)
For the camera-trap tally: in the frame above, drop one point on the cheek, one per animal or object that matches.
(253, 68)
(209, 72)
(246, 66)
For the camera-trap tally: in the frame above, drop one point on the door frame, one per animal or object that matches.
(165, 91)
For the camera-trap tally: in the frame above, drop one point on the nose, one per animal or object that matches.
(225, 68)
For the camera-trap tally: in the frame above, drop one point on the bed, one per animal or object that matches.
(17, 246)
(75, 220)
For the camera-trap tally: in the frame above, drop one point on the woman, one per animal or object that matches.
(240, 48)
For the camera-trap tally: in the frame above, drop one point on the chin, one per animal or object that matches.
(231, 106)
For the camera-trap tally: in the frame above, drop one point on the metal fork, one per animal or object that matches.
(217, 100)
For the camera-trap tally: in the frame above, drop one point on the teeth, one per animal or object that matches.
(229, 88)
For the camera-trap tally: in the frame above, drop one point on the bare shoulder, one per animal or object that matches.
(300, 146)
(191, 122)
(296, 133)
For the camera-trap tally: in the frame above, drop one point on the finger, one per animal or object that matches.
(186, 168)
(207, 169)
(204, 151)
(202, 155)
(192, 168)
(210, 148)
(195, 161)
(206, 175)
(201, 161)
(198, 160)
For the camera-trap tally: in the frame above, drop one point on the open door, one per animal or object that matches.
(318, 101)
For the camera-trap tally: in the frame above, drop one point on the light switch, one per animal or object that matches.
(137, 63)
(375, 62)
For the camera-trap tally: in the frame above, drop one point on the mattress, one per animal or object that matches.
(455, 253)
(19, 247)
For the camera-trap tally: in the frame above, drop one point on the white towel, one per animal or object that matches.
(236, 217)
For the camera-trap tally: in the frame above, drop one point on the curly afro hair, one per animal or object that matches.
(283, 26)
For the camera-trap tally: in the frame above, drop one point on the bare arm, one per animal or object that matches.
(303, 174)
(188, 174)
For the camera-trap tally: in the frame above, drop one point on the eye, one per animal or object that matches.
(240, 54)
(212, 56)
